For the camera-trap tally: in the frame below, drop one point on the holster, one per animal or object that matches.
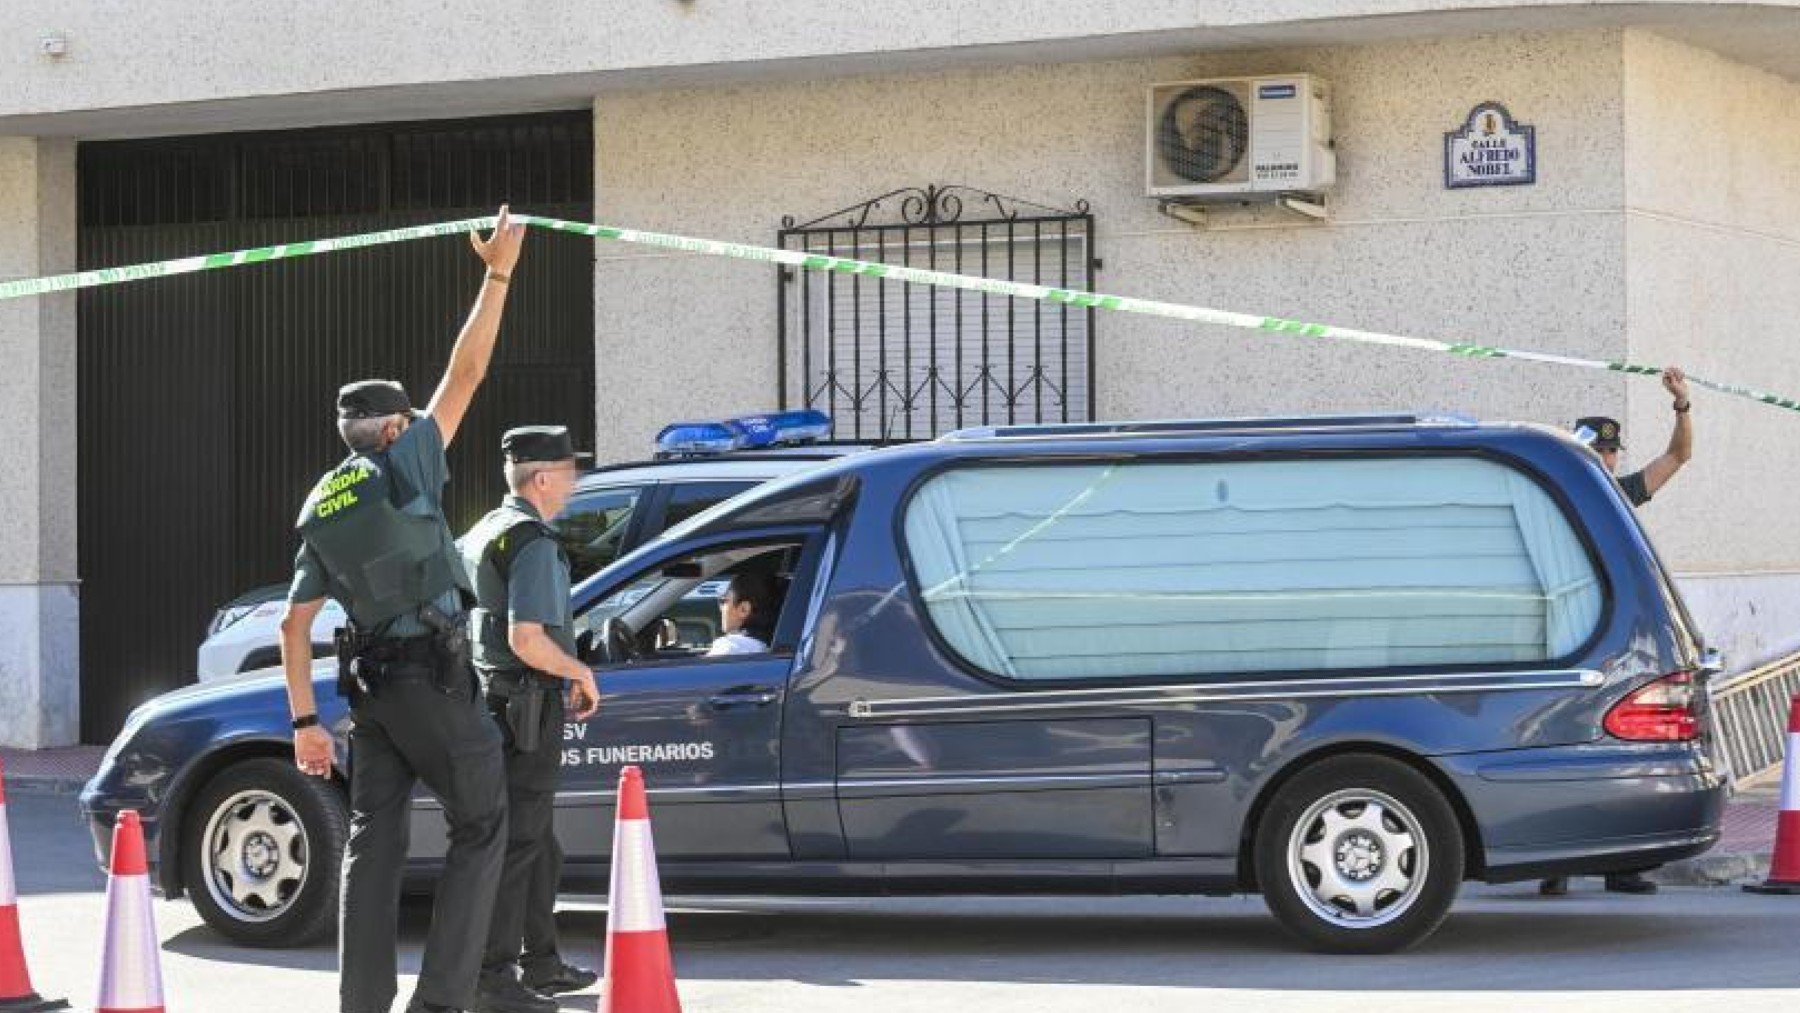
(526, 694)
(450, 639)
(525, 719)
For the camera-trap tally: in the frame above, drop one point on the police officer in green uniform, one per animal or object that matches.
(1639, 487)
(373, 536)
(523, 633)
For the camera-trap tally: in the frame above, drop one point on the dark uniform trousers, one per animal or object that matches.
(410, 729)
(525, 906)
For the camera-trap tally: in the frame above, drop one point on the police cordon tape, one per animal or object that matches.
(846, 265)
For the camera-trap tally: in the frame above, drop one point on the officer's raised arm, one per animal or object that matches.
(475, 345)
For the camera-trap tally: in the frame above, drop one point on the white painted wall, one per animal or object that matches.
(1537, 267)
(39, 646)
(1713, 282)
(244, 64)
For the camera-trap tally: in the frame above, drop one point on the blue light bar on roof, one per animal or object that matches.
(746, 432)
(783, 428)
(685, 439)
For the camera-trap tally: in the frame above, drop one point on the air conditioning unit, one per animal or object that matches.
(1240, 135)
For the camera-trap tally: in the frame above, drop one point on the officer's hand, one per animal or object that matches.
(500, 250)
(313, 751)
(1675, 382)
(584, 695)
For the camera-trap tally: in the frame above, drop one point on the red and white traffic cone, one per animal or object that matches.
(16, 994)
(1784, 868)
(131, 964)
(640, 976)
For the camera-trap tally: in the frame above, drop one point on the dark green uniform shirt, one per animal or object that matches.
(1636, 490)
(419, 455)
(536, 590)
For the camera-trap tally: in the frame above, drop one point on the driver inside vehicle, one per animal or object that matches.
(747, 612)
(717, 604)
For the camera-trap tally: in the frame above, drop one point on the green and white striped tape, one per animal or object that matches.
(213, 261)
(870, 269)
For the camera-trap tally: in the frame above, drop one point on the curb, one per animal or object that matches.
(26, 784)
(1715, 870)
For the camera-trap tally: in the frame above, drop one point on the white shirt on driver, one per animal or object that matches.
(737, 643)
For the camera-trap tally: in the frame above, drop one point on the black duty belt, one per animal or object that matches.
(419, 650)
(509, 681)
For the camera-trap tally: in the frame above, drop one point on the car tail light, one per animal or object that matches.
(1667, 710)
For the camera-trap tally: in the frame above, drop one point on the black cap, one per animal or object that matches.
(1605, 430)
(539, 443)
(373, 399)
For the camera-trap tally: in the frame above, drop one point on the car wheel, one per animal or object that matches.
(261, 850)
(1359, 854)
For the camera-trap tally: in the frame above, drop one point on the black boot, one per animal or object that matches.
(1628, 882)
(557, 978)
(502, 993)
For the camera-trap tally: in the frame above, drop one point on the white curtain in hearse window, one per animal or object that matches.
(1072, 571)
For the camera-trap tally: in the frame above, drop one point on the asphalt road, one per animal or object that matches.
(1503, 948)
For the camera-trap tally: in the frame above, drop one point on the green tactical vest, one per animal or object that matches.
(488, 551)
(381, 563)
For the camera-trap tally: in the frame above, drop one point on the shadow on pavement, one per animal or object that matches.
(1500, 943)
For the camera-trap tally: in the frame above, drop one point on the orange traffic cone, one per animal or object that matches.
(640, 976)
(16, 995)
(130, 966)
(1784, 868)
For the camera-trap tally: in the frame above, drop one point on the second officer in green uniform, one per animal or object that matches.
(524, 642)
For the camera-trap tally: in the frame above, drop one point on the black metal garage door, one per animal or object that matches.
(206, 400)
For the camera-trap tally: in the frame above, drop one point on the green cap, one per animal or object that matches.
(1605, 430)
(539, 443)
(373, 399)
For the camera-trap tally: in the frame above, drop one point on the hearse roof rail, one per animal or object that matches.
(1180, 427)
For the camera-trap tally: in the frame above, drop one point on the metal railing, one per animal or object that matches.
(899, 361)
(1751, 714)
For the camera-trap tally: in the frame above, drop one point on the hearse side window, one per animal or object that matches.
(1083, 570)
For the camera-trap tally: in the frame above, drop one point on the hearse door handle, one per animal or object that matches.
(744, 696)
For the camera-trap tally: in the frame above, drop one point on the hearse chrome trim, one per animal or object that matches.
(1277, 689)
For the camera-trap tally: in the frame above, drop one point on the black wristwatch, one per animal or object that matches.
(305, 721)
(1681, 407)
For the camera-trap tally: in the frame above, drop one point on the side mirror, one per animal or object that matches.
(584, 646)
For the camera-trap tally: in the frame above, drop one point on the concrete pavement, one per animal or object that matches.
(1503, 948)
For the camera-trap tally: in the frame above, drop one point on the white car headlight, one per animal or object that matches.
(226, 617)
(133, 723)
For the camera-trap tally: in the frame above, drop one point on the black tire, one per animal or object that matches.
(291, 827)
(1363, 907)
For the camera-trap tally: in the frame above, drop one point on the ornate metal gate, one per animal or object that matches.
(900, 361)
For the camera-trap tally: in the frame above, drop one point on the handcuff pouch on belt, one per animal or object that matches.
(347, 644)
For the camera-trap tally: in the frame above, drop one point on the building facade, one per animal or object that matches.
(1662, 225)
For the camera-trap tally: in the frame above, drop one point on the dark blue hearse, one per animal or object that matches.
(1347, 663)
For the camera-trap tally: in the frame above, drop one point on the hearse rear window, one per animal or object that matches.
(1084, 571)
